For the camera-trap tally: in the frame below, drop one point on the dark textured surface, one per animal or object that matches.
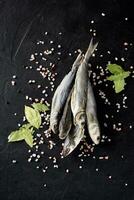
(21, 24)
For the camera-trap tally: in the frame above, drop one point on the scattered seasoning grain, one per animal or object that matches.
(14, 161)
(103, 14)
(13, 83)
(67, 170)
(29, 159)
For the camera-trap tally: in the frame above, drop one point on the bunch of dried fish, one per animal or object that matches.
(73, 105)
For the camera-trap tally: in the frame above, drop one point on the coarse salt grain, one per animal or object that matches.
(14, 76)
(67, 170)
(103, 14)
(32, 57)
(38, 156)
(116, 58)
(14, 161)
(123, 59)
(29, 159)
(13, 83)
(34, 155)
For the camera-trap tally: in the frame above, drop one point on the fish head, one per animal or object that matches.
(54, 127)
(69, 146)
(63, 127)
(63, 130)
(81, 119)
(54, 122)
(72, 140)
(94, 132)
(93, 127)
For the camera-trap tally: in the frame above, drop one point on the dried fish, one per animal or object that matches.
(91, 113)
(79, 95)
(61, 95)
(66, 119)
(72, 140)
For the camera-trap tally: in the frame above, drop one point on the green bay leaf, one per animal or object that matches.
(119, 76)
(33, 116)
(16, 136)
(40, 107)
(29, 138)
(115, 69)
(119, 85)
(25, 126)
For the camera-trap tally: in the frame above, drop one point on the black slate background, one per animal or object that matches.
(22, 180)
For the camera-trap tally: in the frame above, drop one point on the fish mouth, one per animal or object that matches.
(94, 132)
(55, 128)
(62, 135)
(66, 152)
(97, 141)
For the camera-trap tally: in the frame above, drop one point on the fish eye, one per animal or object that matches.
(82, 123)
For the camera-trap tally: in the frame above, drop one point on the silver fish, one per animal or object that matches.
(66, 119)
(72, 140)
(61, 95)
(79, 95)
(91, 113)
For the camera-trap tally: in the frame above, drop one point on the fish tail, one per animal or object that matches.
(77, 61)
(90, 50)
